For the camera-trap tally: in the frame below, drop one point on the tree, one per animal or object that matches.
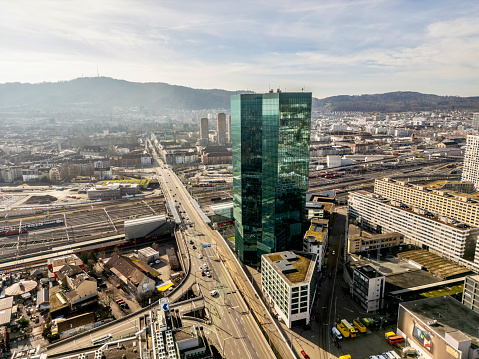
(23, 322)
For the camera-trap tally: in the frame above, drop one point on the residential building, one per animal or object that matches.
(215, 155)
(368, 287)
(364, 243)
(270, 135)
(55, 264)
(470, 169)
(289, 283)
(229, 127)
(316, 239)
(434, 198)
(470, 296)
(439, 328)
(83, 288)
(475, 121)
(4, 339)
(457, 243)
(204, 131)
(221, 128)
(129, 276)
(54, 174)
(320, 205)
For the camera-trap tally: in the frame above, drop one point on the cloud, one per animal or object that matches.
(332, 47)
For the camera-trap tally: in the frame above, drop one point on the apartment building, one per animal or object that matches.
(432, 198)
(316, 239)
(470, 170)
(368, 287)
(289, 283)
(373, 242)
(454, 242)
(470, 295)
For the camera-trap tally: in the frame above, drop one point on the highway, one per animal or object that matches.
(237, 330)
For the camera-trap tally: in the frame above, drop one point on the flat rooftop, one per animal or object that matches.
(302, 266)
(388, 203)
(317, 229)
(438, 266)
(368, 271)
(450, 314)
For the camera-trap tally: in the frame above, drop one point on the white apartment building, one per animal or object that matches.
(470, 170)
(289, 282)
(315, 240)
(368, 287)
(470, 294)
(457, 243)
(433, 198)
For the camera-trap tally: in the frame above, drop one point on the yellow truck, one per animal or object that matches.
(360, 326)
(347, 356)
(389, 334)
(344, 331)
(352, 331)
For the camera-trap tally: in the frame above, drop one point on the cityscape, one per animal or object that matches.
(176, 202)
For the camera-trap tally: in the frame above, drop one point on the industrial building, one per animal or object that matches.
(439, 328)
(144, 226)
(470, 169)
(148, 254)
(112, 191)
(368, 287)
(289, 282)
(457, 243)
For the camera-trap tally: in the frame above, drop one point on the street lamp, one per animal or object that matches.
(224, 340)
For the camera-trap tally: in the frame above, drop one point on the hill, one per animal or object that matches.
(104, 92)
(107, 93)
(397, 102)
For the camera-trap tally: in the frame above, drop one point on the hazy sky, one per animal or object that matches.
(329, 47)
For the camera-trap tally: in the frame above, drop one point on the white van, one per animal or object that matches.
(336, 333)
(373, 357)
(214, 293)
(393, 354)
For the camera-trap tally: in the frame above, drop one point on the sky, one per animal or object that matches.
(328, 47)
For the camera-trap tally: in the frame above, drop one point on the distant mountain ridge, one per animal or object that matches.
(107, 93)
(400, 101)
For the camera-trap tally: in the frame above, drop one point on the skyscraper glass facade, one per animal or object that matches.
(270, 136)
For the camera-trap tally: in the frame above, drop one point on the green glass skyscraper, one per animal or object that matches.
(270, 136)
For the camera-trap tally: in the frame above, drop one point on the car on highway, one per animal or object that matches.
(214, 293)
(303, 353)
(205, 266)
(333, 253)
(208, 274)
(200, 256)
(201, 269)
(194, 247)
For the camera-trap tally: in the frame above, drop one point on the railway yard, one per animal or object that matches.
(70, 226)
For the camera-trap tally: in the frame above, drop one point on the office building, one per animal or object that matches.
(439, 328)
(470, 295)
(204, 131)
(270, 135)
(456, 242)
(368, 287)
(316, 239)
(289, 282)
(221, 128)
(436, 198)
(229, 128)
(470, 169)
(364, 243)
